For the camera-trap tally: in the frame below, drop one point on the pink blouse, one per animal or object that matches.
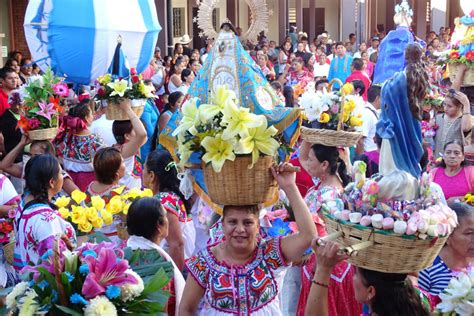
(452, 186)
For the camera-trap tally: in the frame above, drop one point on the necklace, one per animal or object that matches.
(447, 127)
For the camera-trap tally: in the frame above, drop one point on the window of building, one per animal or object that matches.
(179, 20)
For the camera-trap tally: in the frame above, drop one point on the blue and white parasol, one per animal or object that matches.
(78, 38)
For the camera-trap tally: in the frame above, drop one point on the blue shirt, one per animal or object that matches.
(340, 68)
(150, 120)
(436, 278)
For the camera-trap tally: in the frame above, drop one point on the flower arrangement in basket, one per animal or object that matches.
(114, 91)
(96, 279)
(42, 97)
(236, 147)
(458, 298)
(399, 236)
(87, 213)
(333, 116)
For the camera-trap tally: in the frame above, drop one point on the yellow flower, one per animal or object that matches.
(85, 226)
(62, 201)
(349, 106)
(324, 118)
(190, 117)
(64, 212)
(126, 207)
(348, 88)
(78, 196)
(147, 193)
(146, 90)
(218, 151)
(222, 95)
(107, 217)
(97, 202)
(115, 205)
(97, 223)
(133, 194)
(354, 121)
(238, 121)
(260, 140)
(78, 214)
(119, 190)
(105, 79)
(119, 87)
(91, 214)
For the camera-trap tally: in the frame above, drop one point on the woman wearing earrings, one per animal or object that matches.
(324, 164)
(161, 176)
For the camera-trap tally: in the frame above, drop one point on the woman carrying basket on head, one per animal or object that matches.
(242, 274)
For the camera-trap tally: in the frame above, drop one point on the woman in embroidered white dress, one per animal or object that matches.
(148, 237)
(9, 201)
(161, 176)
(37, 223)
(130, 136)
(242, 274)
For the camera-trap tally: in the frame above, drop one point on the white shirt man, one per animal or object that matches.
(370, 118)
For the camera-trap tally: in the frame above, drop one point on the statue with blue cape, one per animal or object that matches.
(230, 65)
(400, 128)
(391, 56)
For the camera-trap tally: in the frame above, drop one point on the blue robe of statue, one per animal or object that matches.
(391, 56)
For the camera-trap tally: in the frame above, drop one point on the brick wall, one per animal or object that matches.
(17, 34)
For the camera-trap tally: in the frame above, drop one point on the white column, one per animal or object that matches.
(420, 18)
(438, 14)
(348, 18)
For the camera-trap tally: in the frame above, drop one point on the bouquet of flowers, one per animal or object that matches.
(222, 130)
(6, 230)
(323, 110)
(434, 99)
(93, 212)
(96, 279)
(43, 97)
(454, 56)
(458, 298)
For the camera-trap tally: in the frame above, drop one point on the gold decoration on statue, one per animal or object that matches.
(259, 15)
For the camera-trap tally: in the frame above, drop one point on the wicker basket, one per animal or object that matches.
(43, 134)
(468, 79)
(329, 137)
(236, 184)
(8, 250)
(113, 111)
(391, 253)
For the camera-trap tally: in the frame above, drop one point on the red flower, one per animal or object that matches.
(135, 79)
(470, 55)
(454, 55)
(133, 71)
(23, 124)
(101, 92)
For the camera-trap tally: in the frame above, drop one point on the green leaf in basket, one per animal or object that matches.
(68, 311)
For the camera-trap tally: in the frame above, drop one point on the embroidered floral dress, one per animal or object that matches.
(251, 289)
(77, 153)
(173, 205)
(37, 225)
(341, 296)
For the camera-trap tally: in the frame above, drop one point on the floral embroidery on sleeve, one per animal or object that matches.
(272, 253)
(197, 266)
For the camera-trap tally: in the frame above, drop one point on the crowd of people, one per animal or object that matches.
(240, 272)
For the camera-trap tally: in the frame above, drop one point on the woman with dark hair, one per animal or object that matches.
(243, 273)
(130, 136)
(175, 81)
(457, 254)
(174, 102)
(76, 145)
(149, 237)
(324, 163)
(37, 147)
(297, 74)
(285, 52)
(37, 223)
(187, 77)
(161, 176)
(455, 123)
(387, 294)
(109, 168)
(289, 95)
(452, 175)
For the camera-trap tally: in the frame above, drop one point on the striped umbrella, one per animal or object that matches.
(78, 38)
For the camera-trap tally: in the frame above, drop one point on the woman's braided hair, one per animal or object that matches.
(417, 79)
(39, 170)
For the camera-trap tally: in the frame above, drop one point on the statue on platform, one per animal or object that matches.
(400, 128)
(391, 55)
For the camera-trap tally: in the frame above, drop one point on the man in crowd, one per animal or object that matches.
(358, 73)
(371, 117)
(341, 65)
(9, 81)
(374, 45)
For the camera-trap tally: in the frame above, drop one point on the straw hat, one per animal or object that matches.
(185, 39)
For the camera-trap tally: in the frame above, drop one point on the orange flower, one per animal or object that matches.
(454, 55)
(23, 124)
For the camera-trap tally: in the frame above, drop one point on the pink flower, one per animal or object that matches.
(105, 270)
(34, 123)
(373, 188)
(46, 110)
(335, 108)
(61, 89)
